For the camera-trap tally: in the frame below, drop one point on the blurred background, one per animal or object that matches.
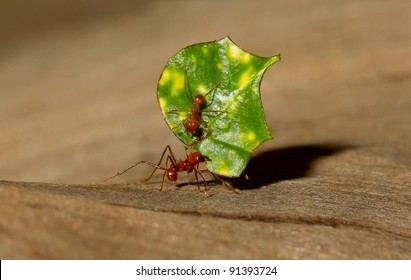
(78, 78)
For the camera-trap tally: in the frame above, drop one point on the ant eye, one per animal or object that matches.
(199, 99)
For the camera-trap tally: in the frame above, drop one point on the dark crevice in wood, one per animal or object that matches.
(319, 221)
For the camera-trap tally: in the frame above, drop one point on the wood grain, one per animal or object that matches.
(78, 103)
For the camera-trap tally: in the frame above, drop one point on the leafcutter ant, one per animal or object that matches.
(173, 166)
(193, 123)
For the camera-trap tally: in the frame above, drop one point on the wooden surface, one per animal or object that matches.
(78, 102)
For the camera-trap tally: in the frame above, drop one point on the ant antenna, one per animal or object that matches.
(132, 166)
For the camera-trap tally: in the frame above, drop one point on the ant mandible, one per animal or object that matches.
(173, 167)
(192, 123)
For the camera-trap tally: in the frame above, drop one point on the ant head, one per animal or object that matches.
(199, 99)
(196, 157)
(172, 175)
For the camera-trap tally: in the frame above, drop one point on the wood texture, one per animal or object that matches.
(78, 102)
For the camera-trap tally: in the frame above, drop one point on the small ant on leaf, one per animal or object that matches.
(173, 167)
(193, 123)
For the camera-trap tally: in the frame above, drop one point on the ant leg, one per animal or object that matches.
(189, 97)
(171, 155)
(196, 173)
(226, 183)
(211, 111)
(202, 177)
(205, 131)
(122, 172)
(157, 166)
(165, 172)
(182, 122)
(211, 90)
(198, 183)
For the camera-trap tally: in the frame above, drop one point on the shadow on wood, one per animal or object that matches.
(285, 164)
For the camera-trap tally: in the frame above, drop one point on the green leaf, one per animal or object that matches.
(232, 122)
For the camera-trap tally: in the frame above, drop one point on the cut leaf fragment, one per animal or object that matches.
(232, 122)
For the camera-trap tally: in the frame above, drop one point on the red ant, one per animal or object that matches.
(190, 164)
(192, 123)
